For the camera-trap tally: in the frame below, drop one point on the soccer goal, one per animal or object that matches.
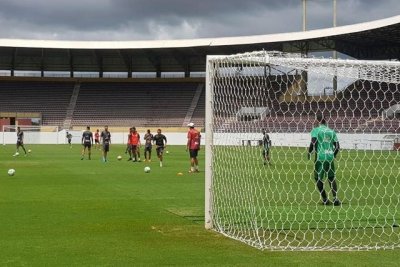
(276, 205)
(32, 134)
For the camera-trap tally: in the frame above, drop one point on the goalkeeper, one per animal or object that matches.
(326, 145)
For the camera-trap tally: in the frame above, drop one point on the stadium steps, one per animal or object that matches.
(71, 106)
(193, 105)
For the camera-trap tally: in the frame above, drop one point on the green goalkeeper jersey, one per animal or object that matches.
(326, 139)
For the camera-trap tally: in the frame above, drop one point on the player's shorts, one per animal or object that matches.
(323, 168)
(87, 145)
(148, 148)
(193, 153)
(160, 150)
(20, 143)
(96, 141)
(106, 147)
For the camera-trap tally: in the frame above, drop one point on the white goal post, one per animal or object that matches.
(48, 134)
(273, 203)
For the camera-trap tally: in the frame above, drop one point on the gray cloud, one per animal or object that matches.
(175, 19)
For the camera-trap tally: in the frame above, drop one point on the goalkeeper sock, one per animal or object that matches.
(334, 187)
(321, 190)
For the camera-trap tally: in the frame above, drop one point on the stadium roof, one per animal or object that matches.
(378, 39)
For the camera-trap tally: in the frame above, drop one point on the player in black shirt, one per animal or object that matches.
(87, 141)
(106, 141)
(69, 138)
(266, 142)
(161, 143)
(148, 137)
(20, 141)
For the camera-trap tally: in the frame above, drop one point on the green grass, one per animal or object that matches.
(60, 211)
(289, 207)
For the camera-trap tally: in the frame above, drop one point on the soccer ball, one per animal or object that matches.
(16, 154)
(167, 152)
(29, 151)
(147, 169)
(11, 172)
(119, 158)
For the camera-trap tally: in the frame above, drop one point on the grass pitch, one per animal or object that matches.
(59, 210)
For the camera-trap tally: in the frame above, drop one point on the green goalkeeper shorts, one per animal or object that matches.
(323, 168)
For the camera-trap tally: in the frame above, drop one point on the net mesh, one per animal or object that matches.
(275, 205)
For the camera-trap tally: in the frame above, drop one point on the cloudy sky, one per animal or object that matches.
(176, 19)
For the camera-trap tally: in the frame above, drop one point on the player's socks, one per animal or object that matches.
(160, 163)
(321, 190)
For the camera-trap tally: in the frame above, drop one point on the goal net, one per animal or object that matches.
(32, 134)
(276, 204)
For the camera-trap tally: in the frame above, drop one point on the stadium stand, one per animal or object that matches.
(51, 99)
(358, 108)
(163, 104)
(127, 104)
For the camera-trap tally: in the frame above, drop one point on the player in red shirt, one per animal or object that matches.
(135, 144)
(193, 145)
(97, 139)
(129, 145)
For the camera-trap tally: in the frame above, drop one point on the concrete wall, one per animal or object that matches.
(347, 141)
(60, 137)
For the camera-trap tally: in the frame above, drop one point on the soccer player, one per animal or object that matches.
(266, 147)
(69, 138)
(161, 143)
(20, 141)
(148, 137)
(129, 145)
(105, 138)
(97, 139)
(87, 141)
(193, 145)
(135, 143)
(326, 145)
